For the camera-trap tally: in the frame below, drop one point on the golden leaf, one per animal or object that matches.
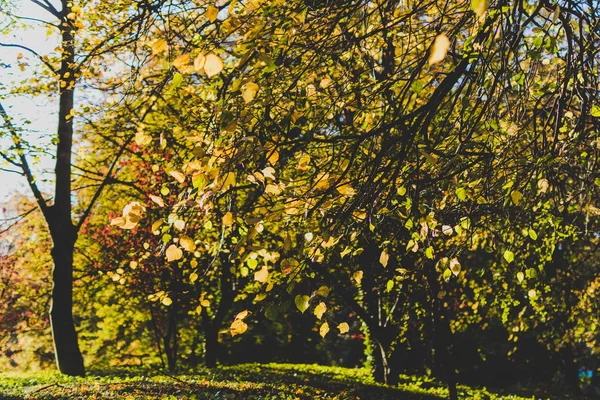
(343, 327)
(177, 175)
(262, 274)
(187, 243)
(320, 310)
(324, 329)
(228, 219)
(384, 258)
(439, 49)
(238, 327)
(213, 65)
(173, 253)
(249, 91)
(157, 200)
(199, 62)
(211, 13)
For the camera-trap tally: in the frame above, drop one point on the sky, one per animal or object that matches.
(40, 111)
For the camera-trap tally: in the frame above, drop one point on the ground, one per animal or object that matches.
(247, 381)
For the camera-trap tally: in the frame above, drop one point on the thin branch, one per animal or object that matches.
(24, 163)
(46, 5)
(35, 53)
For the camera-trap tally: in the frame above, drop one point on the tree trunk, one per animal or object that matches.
(58, 217)
(211, 351)
(570, 370)
(66, 348)
(381, 342)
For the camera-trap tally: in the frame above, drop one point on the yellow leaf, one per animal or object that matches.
(479, 7)
(228, 219)
(455, 266)
(173, 253)
(272, 189)
(159, 46)
(179, 224)
(384, 258)
(343, 327)
(193, 277)
(325, 83)
(516, 197)
(157, 224)
(182, 61)
(242, 314)
(323, 291)
(167, 301)
(187, 243)
(228, 180)
(211, 13)
(320, 310)
(119, 221)
(157, 200)
(238, 327)
(273, 157)
(303, 163)
(199, 62)
(177, 175)
(262, 274)
(142, 139)
(213, 65)
(249, 91)
(439, 49)
(324, 329)
(357, 276)
(346, 190)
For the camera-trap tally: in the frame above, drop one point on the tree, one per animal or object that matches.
(86, 39)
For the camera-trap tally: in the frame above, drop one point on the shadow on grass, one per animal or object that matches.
(249, 381)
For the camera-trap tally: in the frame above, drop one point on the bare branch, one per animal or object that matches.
(24, 165)
(35, 53)
(46, 5)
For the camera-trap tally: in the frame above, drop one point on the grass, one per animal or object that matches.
(247, 381)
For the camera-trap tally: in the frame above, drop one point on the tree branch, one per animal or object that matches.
(35, 53)
(24, 165)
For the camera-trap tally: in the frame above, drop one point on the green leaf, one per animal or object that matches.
(597, 181)
(532, 234)
(447, 274)
(516, 197)
(389, 286)
(177, 80)
(252, 263)
(302, 302)
(509, 256)
(520, 276)
(429, 253)
(461, 193)
(479, 7)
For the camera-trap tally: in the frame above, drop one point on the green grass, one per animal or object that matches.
(247, 381)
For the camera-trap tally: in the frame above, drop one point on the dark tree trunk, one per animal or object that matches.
(66, 348)
(58, 217)
(570, 370)
(441, 335)
(211, 351)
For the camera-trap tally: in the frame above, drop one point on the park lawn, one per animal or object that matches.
(246, 381)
